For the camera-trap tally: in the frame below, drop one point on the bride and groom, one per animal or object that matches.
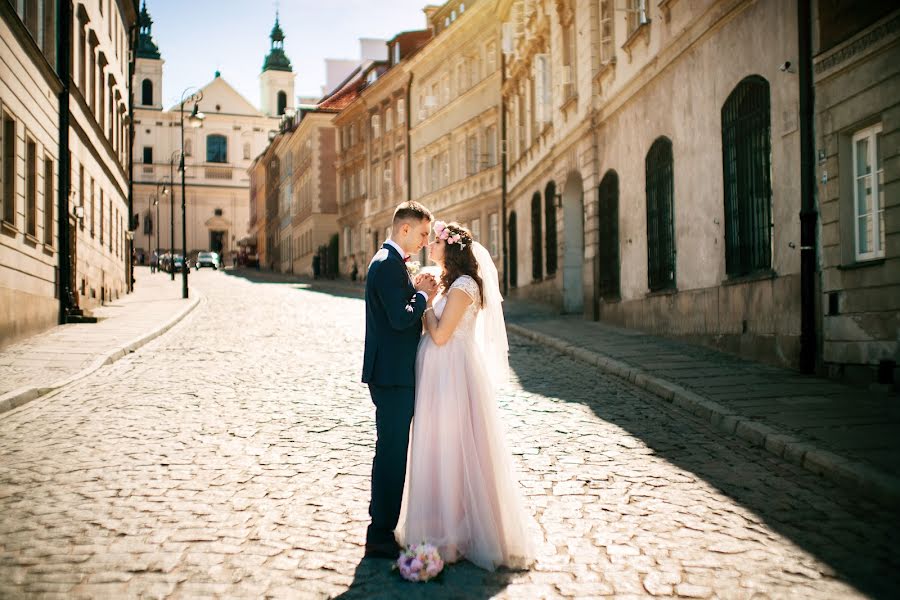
(437, 348)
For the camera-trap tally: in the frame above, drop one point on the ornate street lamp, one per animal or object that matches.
(196, 120)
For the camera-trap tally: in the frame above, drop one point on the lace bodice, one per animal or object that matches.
(466, 325)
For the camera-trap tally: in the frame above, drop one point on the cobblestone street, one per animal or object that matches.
(231, 456)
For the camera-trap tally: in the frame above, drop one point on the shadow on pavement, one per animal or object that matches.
(854, 536)
(373, 578)
(333, 287)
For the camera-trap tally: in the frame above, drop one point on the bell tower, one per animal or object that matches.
(148, 66)
(276, 82)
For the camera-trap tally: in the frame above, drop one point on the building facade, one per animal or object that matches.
(456, 120)
(856, 69)
(653, 157)
(217, 154)
(64, 185)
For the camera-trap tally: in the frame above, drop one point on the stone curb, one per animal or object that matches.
(24, 395)
(860, 476)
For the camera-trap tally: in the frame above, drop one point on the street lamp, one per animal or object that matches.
(165, 191)
(175, 154)
(196, 120)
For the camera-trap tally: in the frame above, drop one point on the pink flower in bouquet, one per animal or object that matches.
(420, 562)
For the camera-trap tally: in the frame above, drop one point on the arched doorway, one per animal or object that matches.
(573, 244)
(513, 241)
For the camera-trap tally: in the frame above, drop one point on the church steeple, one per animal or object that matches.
(146, 46)
(277, 60)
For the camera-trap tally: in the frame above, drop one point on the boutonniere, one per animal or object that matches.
(413, 267)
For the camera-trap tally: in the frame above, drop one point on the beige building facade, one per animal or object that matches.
(34, 183)
(217, 156)
(652, 166)
(856, 68)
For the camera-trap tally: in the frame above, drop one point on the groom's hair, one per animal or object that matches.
(411, 211)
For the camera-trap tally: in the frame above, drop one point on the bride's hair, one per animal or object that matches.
(459, 259)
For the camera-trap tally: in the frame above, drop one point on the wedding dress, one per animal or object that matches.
(461, 492)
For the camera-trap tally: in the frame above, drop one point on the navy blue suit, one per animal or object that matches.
(393, 328)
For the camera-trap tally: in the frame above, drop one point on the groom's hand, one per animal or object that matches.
(426, 283)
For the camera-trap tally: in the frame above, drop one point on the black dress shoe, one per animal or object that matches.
(383, 550)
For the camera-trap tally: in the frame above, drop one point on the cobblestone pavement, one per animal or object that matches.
(231, 456)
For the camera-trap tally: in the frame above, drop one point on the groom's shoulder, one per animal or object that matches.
(381, 257)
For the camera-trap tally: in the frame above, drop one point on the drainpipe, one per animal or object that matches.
(64, 18)
(409, 138)
(808, 214)
(503, 224)
(129, 269)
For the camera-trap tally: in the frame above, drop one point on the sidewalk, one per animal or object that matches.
(849, 435)
(42, 363)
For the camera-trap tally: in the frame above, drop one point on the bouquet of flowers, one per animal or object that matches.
(420, 562)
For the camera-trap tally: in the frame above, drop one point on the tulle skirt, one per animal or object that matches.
(461, 492)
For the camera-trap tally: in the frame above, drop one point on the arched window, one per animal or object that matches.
(282, 102)
(746, 161)
(537, 266)
(608, 236)
(147, 92)
(550, 226)
(660, 216)
(513, 241)
(216, 148)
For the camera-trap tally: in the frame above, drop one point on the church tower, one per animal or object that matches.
(276, 82)
(148, 66)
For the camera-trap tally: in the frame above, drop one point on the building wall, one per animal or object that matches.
(857, 86)
(28, 96)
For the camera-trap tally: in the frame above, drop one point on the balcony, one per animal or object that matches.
(222, 173)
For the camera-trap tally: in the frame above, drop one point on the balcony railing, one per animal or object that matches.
(217, 172)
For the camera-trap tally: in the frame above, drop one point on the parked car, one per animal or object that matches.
(207, 259)
(178, 263)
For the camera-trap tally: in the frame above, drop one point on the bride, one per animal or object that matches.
(461, 491)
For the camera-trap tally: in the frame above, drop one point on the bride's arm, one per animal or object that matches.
(441, 329)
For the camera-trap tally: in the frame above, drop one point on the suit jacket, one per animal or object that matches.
(393, 321)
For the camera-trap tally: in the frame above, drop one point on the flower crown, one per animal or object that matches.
(442, 231)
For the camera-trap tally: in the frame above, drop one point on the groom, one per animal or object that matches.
(394, 307)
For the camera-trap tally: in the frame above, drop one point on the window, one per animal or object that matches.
(31, 168)
(550, 220)
(568, 59)
(48, 201)
(490, 143)
(216, 148)
(147, 92)
(376, 126)
(606, 31)
(282, 102)
(494, 234)
(102, 214)
(746, 157)
(389, 119)
(82, 53)
(401, 112)
(148, 155)
(9, 168)
(396, 53)
(31, 18)
(660, 217)
(81, 193)
(636, 14)
(608, 236)
(246, 150)
(541, 97)
(491, 57)
(472, 154)
(93, 207)
(48, 32)
(476, 229)
(868, 193)
(188, 147)
(537, 267)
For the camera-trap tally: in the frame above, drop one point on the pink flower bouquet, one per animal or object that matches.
(420, 562)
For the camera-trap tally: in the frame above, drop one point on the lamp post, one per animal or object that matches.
(196, 120)
(177, 153)
(165, 192)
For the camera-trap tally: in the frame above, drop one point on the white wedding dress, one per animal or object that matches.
(461, 492)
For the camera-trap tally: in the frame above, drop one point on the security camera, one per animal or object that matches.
(786, 67)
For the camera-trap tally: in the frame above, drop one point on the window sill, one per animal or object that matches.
(642, 32)
(49, 250)
(32, 241)
(862, 264)
(750, 277)
(7, 227)
(569, 102)
(671, 291)
(607, 68)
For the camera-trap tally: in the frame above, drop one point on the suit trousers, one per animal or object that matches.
(394, 407)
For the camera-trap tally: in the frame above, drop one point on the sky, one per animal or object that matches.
(198, 37)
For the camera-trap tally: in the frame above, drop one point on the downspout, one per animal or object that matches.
(130, 264)
(808, 214)
(409, 138)
(64, 19)
(503, 224)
